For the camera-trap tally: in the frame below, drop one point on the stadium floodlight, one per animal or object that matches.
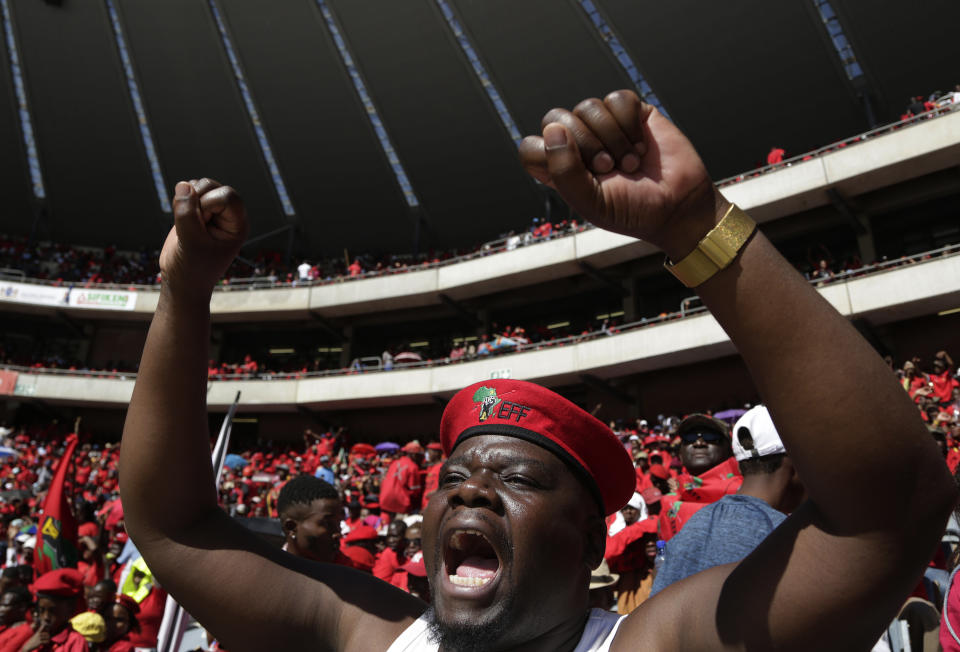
(480, 71)
(608, 36)
(372, 115)
(251, 107)
(134, 89)
(23, 107)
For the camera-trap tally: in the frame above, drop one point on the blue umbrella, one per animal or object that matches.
(387, 446)
(730, 415)
(234, 461)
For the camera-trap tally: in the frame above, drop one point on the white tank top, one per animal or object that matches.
(597, 635)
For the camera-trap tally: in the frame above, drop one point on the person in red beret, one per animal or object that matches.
(630, 553)
(517, 524)
(121, 619)
(401, 487)
(59, 598)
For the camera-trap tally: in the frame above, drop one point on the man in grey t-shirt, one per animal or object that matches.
(729, 529)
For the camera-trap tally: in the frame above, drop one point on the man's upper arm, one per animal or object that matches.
(803, 588)
(255, 597)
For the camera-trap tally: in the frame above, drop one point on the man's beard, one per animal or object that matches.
(472, 636)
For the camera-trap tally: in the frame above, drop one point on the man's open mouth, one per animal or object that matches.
(469, 559)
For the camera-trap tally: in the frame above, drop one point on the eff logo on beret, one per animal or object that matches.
(488, 400)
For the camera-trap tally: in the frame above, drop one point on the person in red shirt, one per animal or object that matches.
(59, 594)
(431, 477)
(942, 380)
(630, 553)
(775, 155)
(391, 557)
(121, 619)
(401, 488)
(14, 604)
(711, 471)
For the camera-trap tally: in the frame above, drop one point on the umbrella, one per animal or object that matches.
(730, 415)
(405, 357)
(6, 451)
(387, 446)
(234, 461)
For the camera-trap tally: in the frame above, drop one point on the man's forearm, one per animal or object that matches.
(165, 458)
(843, 417)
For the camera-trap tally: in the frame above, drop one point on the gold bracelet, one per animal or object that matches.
(717, 249)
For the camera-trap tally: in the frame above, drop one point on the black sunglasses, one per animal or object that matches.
(708, 436)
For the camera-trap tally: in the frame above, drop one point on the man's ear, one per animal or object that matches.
(289, 526)
(596, 541)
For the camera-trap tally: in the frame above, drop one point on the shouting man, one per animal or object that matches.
(512, 532)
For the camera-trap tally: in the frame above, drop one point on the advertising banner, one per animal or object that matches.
(42, 295)
(102, 299)
(8, 382)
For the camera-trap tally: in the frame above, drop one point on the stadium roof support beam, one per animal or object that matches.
(336, 35)
(846, 56)
(261, 134)
(620, 53)
(480, 71)
(859, 222)
(606, 388)
(597, 275)
(458, 308)
(23, 105)
(133, 88)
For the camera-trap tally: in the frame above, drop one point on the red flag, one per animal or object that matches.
(57, 535)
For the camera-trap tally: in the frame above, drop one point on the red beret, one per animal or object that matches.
(651, 495)
(88, 530)
(63, 583)
(412, 447)
(361, 533)
(516, 408)
(126, 601)
(359, 558)
(659, 471)
(434, 446)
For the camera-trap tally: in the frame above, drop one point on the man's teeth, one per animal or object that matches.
(468, 581)
(459, 540)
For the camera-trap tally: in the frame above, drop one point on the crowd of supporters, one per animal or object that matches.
(61, 263)
(109, 597)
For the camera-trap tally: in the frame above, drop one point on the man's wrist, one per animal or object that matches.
(688, 228)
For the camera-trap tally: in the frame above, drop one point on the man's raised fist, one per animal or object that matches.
(622, 165)
(210, 225)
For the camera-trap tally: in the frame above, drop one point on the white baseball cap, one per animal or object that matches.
(754, 435)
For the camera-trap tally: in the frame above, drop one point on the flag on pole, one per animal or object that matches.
(57, 537)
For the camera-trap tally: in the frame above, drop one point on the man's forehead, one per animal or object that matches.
(500, 449)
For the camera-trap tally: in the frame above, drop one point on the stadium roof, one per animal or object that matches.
(292, 101)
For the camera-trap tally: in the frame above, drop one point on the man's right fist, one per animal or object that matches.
(210, 225)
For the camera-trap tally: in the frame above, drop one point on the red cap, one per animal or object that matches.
(415, 566)
(88, 530)
(434, 446)
(361, 533)
(359, 558)
(659, 471)
(651, 495)
(515, 408)
(63, 582)
(412, 447)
